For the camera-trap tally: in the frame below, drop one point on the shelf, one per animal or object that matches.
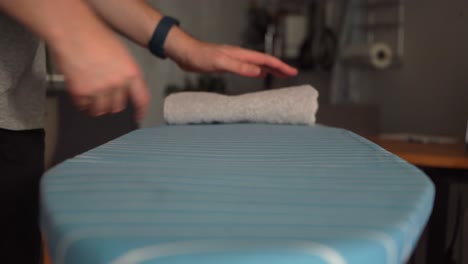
(379, 26)
(379, 4)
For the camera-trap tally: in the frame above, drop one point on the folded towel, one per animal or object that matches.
(294, 105)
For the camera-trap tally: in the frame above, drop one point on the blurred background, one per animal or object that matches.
(421, 87)
(424, 89)
(382, 67)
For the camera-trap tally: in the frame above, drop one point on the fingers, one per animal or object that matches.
(140, 97)
(226, 63)
(101, 105)
(114, 99)
(267, 70)
(98, 104)
(82, 102)
(270, 63)
(119, 100)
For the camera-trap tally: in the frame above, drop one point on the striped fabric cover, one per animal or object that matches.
(239, 193)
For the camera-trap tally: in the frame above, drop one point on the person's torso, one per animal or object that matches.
(22, 77)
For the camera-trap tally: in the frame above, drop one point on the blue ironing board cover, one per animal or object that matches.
(240, 193)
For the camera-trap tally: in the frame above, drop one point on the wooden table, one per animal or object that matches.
(46, 259)
(448, 156)
(450, 162)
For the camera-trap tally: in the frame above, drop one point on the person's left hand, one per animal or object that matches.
(197, 56)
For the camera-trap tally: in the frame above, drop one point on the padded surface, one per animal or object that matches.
(238, 193)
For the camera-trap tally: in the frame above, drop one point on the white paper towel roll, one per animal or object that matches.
(377, 55)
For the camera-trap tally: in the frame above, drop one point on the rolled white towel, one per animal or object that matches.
(293, 105)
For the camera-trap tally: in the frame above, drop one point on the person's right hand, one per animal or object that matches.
(100, 74)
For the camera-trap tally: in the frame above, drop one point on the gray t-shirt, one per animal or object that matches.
(22, 77)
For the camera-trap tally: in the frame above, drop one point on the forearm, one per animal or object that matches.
(137, 20)
(63, 24)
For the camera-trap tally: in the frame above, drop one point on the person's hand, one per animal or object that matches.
(197, 56)
(101, 76)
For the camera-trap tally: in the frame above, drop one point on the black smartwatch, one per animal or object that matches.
(156, 43)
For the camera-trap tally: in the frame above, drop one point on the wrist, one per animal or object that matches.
(179, 44)
(158, 40)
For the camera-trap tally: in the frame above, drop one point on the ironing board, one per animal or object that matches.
(239, 193)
